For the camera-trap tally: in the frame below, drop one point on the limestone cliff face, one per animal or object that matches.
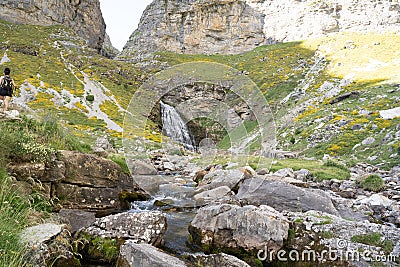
(197, 26)
(83, 16)
(292, 20)
(235, 26)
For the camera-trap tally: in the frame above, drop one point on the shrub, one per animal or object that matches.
(373, 183)
(90, 98)
(38, 141)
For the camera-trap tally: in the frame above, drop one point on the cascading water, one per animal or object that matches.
(174, 127)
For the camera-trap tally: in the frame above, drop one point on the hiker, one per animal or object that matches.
(6, 88)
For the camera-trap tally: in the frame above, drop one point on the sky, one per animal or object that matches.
(122, 18)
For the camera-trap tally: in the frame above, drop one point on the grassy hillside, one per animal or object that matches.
(299, 80)
(316, 72)
(61, 76)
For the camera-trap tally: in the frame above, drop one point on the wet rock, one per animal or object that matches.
(49, 245)
(134, 255)
(282, 196)
(235, 228)
(217, 260)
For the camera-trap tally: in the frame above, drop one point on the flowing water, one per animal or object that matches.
(174, 126)
(179, 213)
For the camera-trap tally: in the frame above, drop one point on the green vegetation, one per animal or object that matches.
(15, 210)
(120, 160)
(372, 183)
(320, 171)
(374, 239)
(37, 141)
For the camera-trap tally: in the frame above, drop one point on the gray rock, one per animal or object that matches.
(238, 228)
(368, 141)
(140, 227)
(376, 200)
(287, 172)
(303, 175)
(49, 245)
(218, 178)
(217, 260)
(41, 233)
(77, 219)
(139, 167)
(212, 195)
(134, 255)
(84, 17)
(390, 113)
(169, 166)
(202, 33)
(356, 127)
(283, 196)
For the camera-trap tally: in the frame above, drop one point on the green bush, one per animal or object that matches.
(90, 98)
(373, 183)
(36, 141)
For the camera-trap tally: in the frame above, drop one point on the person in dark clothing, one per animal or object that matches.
(6, 88)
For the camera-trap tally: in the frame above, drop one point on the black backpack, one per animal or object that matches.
(6, 84)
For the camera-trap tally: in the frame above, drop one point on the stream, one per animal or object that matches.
(174, 199)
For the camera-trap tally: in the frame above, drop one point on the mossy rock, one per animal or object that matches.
(96, 249)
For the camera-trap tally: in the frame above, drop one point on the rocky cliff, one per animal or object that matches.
(197, 26)
(235, 26)
(83, 16)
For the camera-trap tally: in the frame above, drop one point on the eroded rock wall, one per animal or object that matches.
(83, 16)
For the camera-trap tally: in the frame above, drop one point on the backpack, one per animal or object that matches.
(6, 84)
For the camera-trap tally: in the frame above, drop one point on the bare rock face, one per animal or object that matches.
(132, 254)
(235, 228)
(236, 26)
(83, 16)
(81, 181)
(196, 26)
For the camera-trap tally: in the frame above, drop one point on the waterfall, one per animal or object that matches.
(174, 127)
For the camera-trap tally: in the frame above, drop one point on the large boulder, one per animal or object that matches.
(238, 230)
(283, 196)
(49, 245)
(101, 241)
(81, 181)
(359, 240)
(218, 178)
(133, 255)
